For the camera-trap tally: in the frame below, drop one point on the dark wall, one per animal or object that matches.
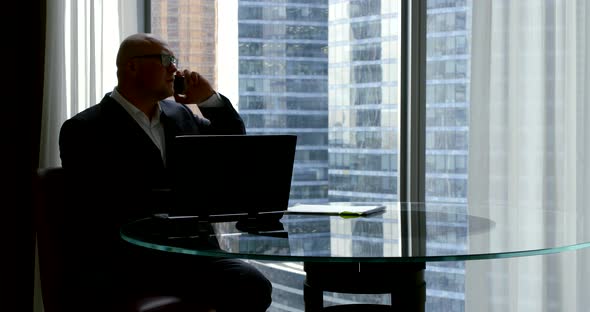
(23, 45)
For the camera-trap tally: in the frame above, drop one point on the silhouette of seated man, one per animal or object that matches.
(115, 156)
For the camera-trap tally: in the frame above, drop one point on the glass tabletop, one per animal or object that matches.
(404, 232)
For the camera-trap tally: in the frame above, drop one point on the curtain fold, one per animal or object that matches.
(82, 42)
(82, 39)
(529, 148)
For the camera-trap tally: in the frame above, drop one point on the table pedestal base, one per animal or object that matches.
(404, 281)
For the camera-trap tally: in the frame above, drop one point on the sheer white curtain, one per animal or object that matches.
(81, 47)
(529, 147)
(82, 38)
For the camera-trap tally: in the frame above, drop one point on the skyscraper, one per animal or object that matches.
(190, 28)
(363, 100)
(283, 81)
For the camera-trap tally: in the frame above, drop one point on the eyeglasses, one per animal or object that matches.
(166, 59)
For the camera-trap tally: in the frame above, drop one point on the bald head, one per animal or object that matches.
(137, 45)
(142, 77)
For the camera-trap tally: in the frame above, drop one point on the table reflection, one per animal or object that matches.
(385, 234)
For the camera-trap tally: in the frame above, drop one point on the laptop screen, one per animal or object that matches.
(231, 174)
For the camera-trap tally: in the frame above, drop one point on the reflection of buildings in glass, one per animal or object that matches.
(179, 22)
(375, 237)
(283, 66)
(363, 100)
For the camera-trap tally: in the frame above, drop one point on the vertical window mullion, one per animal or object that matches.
(147, 16)
(413, 124)
(413, 98)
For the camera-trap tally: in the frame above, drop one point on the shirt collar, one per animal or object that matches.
(134, 111)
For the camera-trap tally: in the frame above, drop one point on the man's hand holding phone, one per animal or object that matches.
(196, 88)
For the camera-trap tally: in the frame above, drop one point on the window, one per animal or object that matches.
(328, 72)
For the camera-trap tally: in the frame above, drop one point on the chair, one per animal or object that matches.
(365, 278)
(55, 252)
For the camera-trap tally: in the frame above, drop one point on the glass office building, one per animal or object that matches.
(283, 82)
(448, 34)
(363, 100)
(190, 28)
(283, 88)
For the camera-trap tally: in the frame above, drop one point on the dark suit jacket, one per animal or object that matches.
(111, 169)
(114, 164)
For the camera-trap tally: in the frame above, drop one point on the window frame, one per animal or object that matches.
(412, 114)
(412, 129)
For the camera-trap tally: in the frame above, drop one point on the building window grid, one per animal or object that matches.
(446, 41)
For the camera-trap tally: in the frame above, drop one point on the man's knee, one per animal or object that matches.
(251, 290)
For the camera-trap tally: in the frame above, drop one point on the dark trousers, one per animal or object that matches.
(105, 270)
(222, 284)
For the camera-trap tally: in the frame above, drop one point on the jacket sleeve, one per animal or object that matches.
(75, 144)
(223, 120)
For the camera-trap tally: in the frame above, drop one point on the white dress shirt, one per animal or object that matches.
(154, 128)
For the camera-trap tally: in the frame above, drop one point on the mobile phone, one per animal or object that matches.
(178, 84)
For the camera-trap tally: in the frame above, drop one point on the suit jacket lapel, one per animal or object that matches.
(170, 130)
(176, 121)
(130, 133)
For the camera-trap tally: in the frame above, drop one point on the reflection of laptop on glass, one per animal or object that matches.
(238, 175)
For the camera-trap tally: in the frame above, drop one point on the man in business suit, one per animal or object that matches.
(116, 156)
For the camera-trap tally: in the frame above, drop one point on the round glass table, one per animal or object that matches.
(392, 245)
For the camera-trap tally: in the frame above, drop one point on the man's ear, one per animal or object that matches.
(132, 65)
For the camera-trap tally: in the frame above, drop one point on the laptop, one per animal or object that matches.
(244, 176)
